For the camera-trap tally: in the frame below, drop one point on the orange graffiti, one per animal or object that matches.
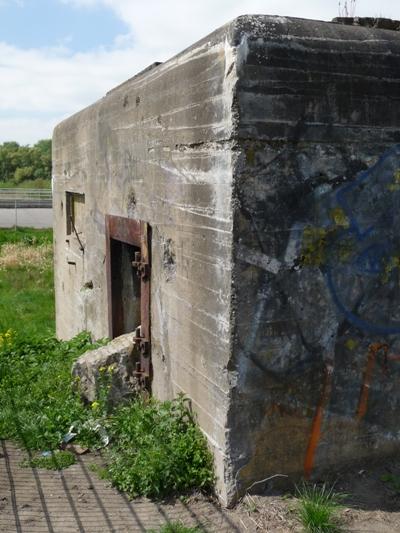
(373, 351)
(315, 435)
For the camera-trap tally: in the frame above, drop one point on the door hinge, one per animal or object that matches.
(141, 375)
(142, 343)
(142, 267)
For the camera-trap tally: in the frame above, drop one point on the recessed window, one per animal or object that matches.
(75, 211)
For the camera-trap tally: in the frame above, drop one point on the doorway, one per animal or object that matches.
(125, 288)
(128, 281)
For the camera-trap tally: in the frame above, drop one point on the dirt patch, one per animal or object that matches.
(371, 505)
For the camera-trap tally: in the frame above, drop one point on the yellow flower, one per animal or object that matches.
(6, 338)
(95, 405)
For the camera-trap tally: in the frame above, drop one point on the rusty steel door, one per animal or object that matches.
(134, 238)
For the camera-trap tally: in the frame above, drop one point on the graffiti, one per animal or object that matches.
(357, 246)
(373, 351)
(316, 427)
(325, 318)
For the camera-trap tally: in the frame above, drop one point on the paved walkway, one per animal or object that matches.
(76, 500)
(27, 218)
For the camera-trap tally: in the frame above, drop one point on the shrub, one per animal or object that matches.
(158, 449)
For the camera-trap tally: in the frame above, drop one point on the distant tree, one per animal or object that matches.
(44, 146)
(20, 164)
(23, 174)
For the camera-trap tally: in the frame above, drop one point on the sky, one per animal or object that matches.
(58, 56)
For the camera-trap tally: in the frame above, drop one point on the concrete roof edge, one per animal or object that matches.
(253, 24)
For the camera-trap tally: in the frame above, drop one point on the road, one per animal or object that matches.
(27, 217)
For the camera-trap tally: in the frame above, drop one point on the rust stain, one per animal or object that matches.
(315, 435)
(373, 351)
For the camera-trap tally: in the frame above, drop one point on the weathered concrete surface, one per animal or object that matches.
(316, 284)
(108, 370)
(265, 160)
(158, 149)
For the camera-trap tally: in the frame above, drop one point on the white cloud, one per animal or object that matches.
(155, 23)
(56, 82)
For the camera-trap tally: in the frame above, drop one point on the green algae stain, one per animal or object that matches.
(339, 217)
(392, 264)
(395, 185)
(251, 155)
(351, 344)
(314, 243)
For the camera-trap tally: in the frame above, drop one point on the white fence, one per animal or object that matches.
(25, 198)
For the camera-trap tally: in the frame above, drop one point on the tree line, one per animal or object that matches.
(25, 165)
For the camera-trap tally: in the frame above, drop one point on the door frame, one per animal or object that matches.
(136, 233)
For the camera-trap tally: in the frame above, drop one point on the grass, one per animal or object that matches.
(30, 184)
(57, 460)
(26, 235)
(393, 481)
(176, 527)
(26, 282)
(40, 415)
(156, 448)
(318, 508)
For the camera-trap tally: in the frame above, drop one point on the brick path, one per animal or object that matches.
(76, 500)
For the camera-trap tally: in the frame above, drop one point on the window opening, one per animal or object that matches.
(75, 210)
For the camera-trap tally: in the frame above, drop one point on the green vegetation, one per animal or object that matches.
(319, 508)
(38, 401)
(32, 237)
(27, 166)
(176, 527)
(26, 282)
(53, 461)
(393, 481)
(155, 448)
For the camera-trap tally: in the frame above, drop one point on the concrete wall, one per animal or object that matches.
(316, 282)
(266, 160)
(157, 149)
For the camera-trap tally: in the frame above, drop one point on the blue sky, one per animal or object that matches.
(58, 56)
(50, 23)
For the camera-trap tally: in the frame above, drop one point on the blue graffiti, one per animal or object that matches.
(371, 206)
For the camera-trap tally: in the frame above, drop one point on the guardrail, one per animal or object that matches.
(25, 198)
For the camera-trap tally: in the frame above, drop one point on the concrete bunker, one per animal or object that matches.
(257, 175)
